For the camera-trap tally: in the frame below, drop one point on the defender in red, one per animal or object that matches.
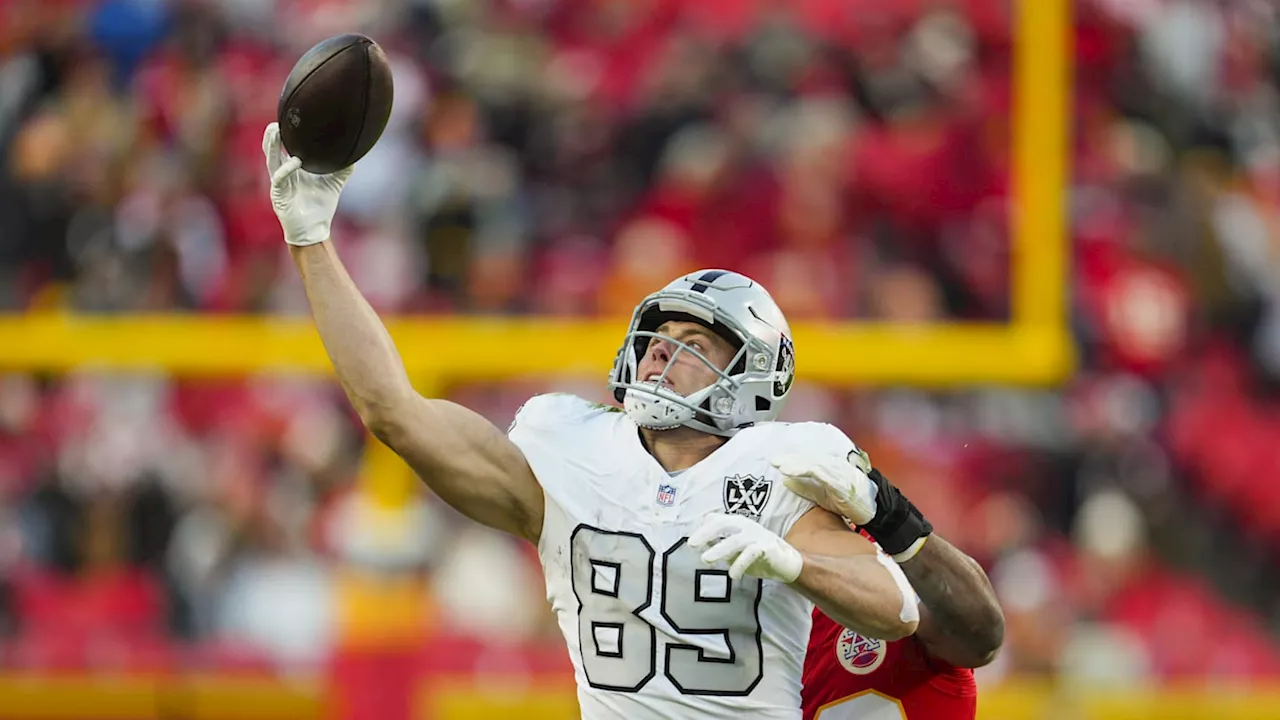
(927, 676)
(848, 676)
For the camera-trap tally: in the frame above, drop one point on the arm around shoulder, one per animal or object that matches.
(849, 581)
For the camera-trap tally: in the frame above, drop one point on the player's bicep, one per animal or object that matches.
(468, 462)
(819, 532)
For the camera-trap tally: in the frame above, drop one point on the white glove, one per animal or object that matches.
(748, 546)
(304, 202)
(833, 482)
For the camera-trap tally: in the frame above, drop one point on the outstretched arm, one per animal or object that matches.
(461, 456)
(962, 624)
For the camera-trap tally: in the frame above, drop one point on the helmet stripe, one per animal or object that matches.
(707, 277)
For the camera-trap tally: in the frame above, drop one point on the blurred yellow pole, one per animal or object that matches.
(381, 611)
(193, 345)
(384, 477)
(1040, 157)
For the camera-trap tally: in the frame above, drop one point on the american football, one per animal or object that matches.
(335, 103)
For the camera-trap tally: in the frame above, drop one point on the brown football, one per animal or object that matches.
(335, 103)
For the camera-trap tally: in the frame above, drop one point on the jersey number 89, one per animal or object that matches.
(613, 581)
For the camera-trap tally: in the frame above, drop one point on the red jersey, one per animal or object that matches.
(851, 677)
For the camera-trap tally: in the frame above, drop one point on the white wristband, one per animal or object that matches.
(910, 612)
(790, 563)
(911, 551)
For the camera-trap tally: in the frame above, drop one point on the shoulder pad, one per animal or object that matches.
(558, 410)
(806, 437)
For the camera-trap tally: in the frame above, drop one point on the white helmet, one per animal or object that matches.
(754, 386)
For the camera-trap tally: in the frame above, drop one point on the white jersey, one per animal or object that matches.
(654, 632)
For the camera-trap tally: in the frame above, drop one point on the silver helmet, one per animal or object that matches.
(751, 389)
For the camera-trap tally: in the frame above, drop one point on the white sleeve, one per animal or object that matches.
(791, 507)
(555, 413)
(825, 439)
(548, 429)
(819, 439)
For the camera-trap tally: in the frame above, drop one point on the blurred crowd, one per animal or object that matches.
(565, 157)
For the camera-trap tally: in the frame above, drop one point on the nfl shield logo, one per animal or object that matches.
(746, 495)
(666, 495)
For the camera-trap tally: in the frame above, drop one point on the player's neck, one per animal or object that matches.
(679, 448)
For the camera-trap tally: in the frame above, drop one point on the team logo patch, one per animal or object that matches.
(786, 368)
(859, 654)
(666, 495)
(746, 495)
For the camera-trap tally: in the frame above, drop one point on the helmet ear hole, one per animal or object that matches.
(763, 404)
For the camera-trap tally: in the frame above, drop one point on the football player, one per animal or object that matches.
(849, 674)
(683, 574)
